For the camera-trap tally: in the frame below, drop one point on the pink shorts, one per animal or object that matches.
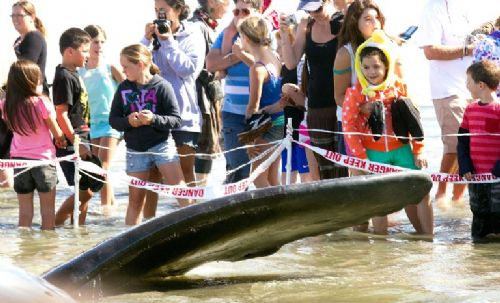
(449, 114)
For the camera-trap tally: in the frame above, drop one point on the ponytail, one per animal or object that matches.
(154, 69)
(40, 27)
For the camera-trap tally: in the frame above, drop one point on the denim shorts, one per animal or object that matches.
(42, 178)
(185, 138)
(275, 133)
(157, 155)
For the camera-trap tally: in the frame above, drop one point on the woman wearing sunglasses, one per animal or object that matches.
(226, 57)
(317, 38)
(31, 44)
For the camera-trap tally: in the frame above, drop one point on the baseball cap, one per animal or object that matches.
(310, 5)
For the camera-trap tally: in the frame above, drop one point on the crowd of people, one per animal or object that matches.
(177, 102)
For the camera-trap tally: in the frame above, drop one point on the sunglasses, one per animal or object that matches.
(244, 12)
(316, 11)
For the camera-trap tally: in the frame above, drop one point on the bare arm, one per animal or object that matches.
(215, 61)
(341, 75)
(257, 77)
(63, 121)
(442, 52)
(292, 53)
(117, 74)
(56, 132)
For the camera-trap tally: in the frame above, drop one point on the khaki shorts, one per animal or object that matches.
(449, 114)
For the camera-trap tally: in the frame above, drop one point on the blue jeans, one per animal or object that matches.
(232, 125)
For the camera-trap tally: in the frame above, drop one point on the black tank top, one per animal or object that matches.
(320, 58)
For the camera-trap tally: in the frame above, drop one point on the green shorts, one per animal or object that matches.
(402, 157)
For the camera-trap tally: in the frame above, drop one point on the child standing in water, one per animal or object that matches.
(101, 79)
(145, 109)
(480, 154)
(377, 83)
(265, 92)
(31, 117)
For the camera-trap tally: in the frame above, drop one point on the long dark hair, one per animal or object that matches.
(29, 8)
(19, 111)
(349, 32)
(181, 5)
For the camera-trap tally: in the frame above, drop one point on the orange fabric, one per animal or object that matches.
(355, 121)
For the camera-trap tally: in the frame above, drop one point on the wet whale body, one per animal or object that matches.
(241, 226)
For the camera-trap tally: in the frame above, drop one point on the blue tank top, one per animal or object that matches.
(271, 93)
(101, 89)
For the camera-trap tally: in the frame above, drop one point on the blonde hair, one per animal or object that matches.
(136, 53)
(256, 29)
(29, 8)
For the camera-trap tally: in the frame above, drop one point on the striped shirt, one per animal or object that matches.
(237, 82)
(481, 118)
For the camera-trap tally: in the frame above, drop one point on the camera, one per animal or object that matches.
(162, 23)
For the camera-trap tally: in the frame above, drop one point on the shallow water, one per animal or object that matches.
(342, 266)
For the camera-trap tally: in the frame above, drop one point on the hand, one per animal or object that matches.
(220, 74)
(254, 151)
(149, 31)
(146, 117)
(284, 23)
(468, 176)
(237, 48)
(420, 161)
(133, 119)
(61, 141)
(165, 36)
(366, 108)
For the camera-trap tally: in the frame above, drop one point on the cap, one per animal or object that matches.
(310, 5)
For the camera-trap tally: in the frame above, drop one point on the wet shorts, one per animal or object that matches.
(402, 157)
(449, 114)
(68, 169)
(42, 178)
(159, 154)
(185, 138)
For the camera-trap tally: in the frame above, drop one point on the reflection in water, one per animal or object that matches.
(342, 266)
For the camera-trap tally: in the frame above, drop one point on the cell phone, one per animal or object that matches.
(406, 35)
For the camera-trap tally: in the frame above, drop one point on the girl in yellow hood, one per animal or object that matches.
(379, 86)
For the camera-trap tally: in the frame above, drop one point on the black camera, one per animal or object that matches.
(162, 23)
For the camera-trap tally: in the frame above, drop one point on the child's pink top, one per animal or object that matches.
(484, 149)
(38, 145)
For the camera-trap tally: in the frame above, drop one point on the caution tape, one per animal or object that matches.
(380, 168)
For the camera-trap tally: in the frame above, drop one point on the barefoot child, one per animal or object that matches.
(145, 109)
(265, 91)
(378, 84)
(31, 117)
(479, 154)
(101, 79)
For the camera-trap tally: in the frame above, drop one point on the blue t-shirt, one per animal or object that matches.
(237, 82)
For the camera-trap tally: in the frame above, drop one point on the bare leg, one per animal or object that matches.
(152, 197)
(186, 153)
(293, 177)
(106, 156)
(412, 214)
(136, 200)
(201, 179)
(313, 165)
(65, 211)
(172, 174)
(426, 215)
(48, 209)
(363, 227)
(25, 209)
(6, 180)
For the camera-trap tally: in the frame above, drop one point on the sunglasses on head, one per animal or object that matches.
(316, 11)
(244, 12)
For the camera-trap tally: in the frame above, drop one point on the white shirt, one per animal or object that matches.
(446, 22)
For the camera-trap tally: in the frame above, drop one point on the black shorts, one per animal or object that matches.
(68, 169)
(42, 178)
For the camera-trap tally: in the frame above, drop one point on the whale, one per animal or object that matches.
(241, 226)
